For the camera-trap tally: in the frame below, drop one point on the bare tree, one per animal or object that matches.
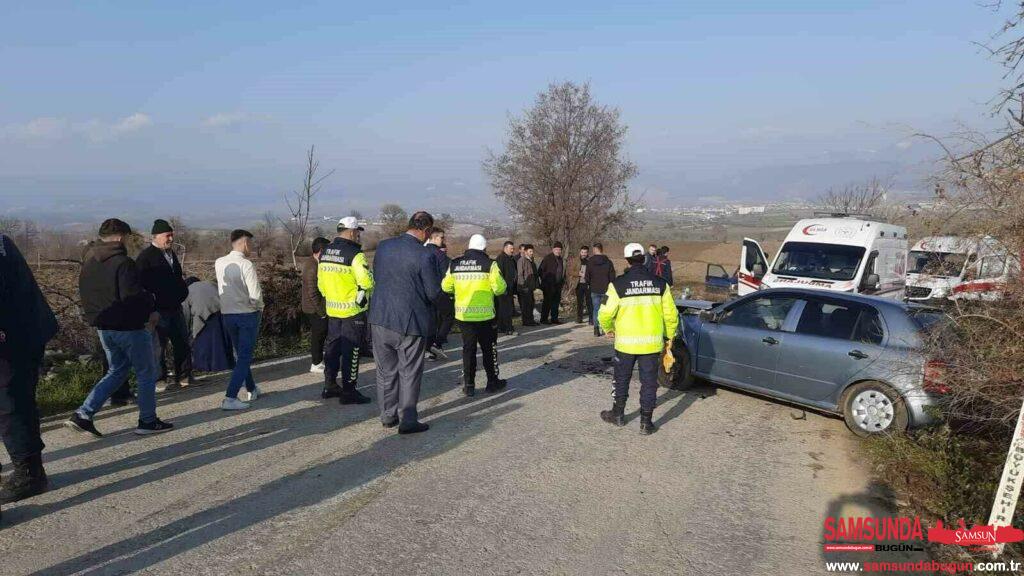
(355, 214)
(9, 226)
(300, 203)
(866, 198)
(394, 219)
(266, 230)
(562, 172)
(445, 221)
(186, 238)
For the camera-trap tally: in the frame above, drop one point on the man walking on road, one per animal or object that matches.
(347, 285)
(583, 302)
(600, 273)
(161, 276)
(641, 315)
(26, 325)
(507, 266)
(475, 280)
(313, 305)
(241, 303)
(552, 279)
(526, 283)
(124, 314)
(444, 307)
(401, 318)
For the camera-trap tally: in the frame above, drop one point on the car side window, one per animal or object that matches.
(759, 313)
(869, 328)
(992, 267)
(840, 321)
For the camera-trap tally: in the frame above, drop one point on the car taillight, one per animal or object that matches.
(935, 377)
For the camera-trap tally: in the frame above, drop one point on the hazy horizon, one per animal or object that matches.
(203, 111)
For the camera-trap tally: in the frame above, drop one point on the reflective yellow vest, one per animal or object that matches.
(475, 280)
(641, 312)
(344, 279)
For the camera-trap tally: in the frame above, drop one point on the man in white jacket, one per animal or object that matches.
(241, 302)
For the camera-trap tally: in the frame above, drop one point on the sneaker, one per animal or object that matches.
(436, 351)
(233, 404)
(316, 368)
(77, 422)
(331, 392)
(172, 385)
(390, 423)
(155, 427)
(431, 357)
(254, 394)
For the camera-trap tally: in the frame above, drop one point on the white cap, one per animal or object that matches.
(477, 242)
(349, 223)
(632, 249)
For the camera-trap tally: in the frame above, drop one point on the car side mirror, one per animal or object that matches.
(708, 316)
(870, 281)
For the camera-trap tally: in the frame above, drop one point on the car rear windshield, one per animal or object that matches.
(945, 264)
(813, 260)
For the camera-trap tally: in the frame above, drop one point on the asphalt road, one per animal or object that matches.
(528, 481)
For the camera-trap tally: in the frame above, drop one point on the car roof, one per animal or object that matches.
(876, 301)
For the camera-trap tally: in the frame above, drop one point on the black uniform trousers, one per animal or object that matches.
(648, 367)
(19, 415)
(504, 310)
(341, 350)
(526, 305)
(317, 337)
(482, 334)
(584, 304)
(552, 301)
(444, 318)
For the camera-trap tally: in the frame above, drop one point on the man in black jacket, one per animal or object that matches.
(583, 301)
(507, 266)
(161, 276)
(552, 279)
(26, 325)
(124, 314)
(444, 306)
(600, 273)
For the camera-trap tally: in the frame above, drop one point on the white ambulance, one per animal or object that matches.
(958, 268)
(835, 252)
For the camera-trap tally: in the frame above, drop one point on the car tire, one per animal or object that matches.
(681, 376)
(872, 408)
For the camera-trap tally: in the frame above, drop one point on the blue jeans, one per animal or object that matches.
(131, 349)
(595, 300)
(242, 330)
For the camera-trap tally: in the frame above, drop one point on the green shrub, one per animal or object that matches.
(66, 385)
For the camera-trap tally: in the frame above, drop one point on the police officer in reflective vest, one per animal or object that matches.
(641, 315)
(346, 283)
(475, 280)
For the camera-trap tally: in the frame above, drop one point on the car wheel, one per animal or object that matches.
(681, 376)
(871, 408)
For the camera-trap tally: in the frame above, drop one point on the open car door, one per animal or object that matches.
(753, 265)
(716, 279)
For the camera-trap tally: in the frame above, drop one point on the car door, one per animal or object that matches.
(716, 279)
(832, 341)
(741, 346)
(753, 266)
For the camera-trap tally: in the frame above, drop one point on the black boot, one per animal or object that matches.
(617, 415)
(353, 396)
(496, 385)
(331, 392)
(468, 388)
(28, 479)
(646, 426)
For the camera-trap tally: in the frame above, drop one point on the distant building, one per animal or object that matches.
(741, 210)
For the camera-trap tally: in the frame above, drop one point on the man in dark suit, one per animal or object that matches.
(161, 276)
(402, 319)
(552, 279)
(507, 265)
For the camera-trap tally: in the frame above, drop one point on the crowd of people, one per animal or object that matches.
(401, 311)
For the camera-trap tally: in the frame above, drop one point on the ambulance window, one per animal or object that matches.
(992, 267)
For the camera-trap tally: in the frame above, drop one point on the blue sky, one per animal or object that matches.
(202, 105)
